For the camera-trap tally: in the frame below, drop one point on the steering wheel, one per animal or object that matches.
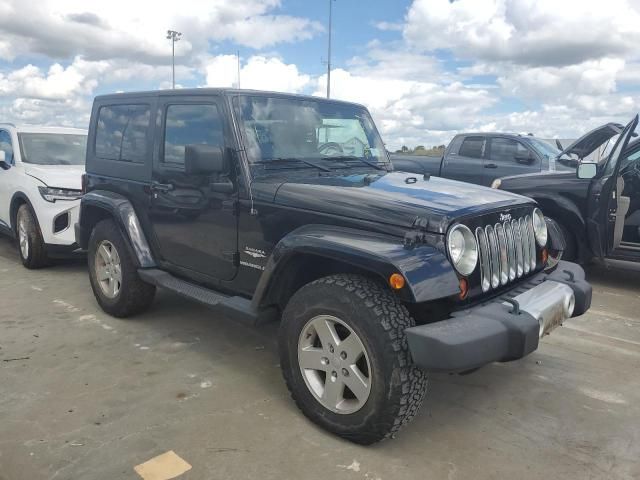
(330, 148)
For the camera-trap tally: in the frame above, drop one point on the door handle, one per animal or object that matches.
(491, 165)
(161, 187)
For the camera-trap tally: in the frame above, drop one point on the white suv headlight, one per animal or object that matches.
(53, 194)
(539, 227)
(463, 249)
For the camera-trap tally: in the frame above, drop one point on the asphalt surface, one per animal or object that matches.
(87, 396)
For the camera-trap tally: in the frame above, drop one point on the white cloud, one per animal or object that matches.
(593, 77)
(533, 32)
(58, 83)
(259, 73)
(136, 30)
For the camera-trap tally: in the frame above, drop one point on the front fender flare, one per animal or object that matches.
(121, 210)
(427, 271)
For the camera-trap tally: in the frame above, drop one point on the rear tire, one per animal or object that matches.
(113, 273)
(30, 242)
(392, 388)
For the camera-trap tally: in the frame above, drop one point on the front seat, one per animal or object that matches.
(621, 213)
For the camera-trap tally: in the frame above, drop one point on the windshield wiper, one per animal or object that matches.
(294, 160)
(363, 160)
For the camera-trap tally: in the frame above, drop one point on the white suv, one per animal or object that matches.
(40, 188)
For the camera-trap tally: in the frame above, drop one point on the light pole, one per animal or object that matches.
(174, 36)
(329, 52)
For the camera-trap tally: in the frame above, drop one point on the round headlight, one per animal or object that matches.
(539, 227)
(463, 249)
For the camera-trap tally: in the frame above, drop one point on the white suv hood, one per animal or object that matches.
(58, 176)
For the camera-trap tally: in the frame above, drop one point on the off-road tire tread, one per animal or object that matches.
(37, 252)
(135, 295)
(393, 319)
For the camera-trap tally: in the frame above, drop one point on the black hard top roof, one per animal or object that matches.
(213, 91)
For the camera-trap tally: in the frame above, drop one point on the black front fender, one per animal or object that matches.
(121, 210)
(428, 273)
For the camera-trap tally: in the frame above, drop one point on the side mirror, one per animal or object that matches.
(202, 159)
(526, 158)
(587, 170)
(3, 160)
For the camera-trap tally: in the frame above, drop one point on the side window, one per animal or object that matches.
(6, 146)
(454, 148)
(506, 150)
(189, 125)
(472, 147)
(122, 133)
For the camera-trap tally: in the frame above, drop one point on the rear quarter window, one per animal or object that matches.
(122, 133)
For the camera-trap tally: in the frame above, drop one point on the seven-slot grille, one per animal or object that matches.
(506, 251)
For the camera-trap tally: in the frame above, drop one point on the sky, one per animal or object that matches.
(426, 69)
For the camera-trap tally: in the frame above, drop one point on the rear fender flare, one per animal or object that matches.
(121, 210)
(427, 271)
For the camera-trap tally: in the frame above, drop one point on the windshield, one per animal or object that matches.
(53, 148)
(544, 148)
(552, 154)
(277, 129)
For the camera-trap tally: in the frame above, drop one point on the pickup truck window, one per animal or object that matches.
(5, 146)
(276, 128)
(189, 125)
(472, 147)
(506, 149)
(122, 133)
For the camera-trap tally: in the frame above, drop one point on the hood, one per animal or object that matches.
(58, 176)
(395, 198)
(592, 140)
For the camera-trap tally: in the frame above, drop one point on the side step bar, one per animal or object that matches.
(237, 308)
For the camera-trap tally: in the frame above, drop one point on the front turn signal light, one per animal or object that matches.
(396, 281)
(464, 288)
(545, 256)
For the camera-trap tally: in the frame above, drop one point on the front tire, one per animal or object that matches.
(345, 358)
(30, 242)
(570, 253)
(113, 274)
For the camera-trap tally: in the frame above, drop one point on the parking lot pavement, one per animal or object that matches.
(87, 396)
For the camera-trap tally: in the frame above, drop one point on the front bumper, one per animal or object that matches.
(506, 328)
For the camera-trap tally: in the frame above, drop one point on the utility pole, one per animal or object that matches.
(329, 52)
(174, 36)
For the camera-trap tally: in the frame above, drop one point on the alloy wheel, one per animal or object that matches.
(108, 269)
(334, 364)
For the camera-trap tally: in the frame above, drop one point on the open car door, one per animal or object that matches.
(605, 203)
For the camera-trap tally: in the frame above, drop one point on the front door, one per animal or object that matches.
(604, 198)
(195, 227)
(506, 157)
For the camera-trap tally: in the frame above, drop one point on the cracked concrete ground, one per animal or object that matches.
(93, 396)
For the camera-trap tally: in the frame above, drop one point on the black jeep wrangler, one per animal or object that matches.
(272, 206)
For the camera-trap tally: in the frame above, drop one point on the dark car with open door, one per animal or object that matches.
(598, 205)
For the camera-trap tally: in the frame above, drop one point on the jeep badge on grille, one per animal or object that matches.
(505, 217)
